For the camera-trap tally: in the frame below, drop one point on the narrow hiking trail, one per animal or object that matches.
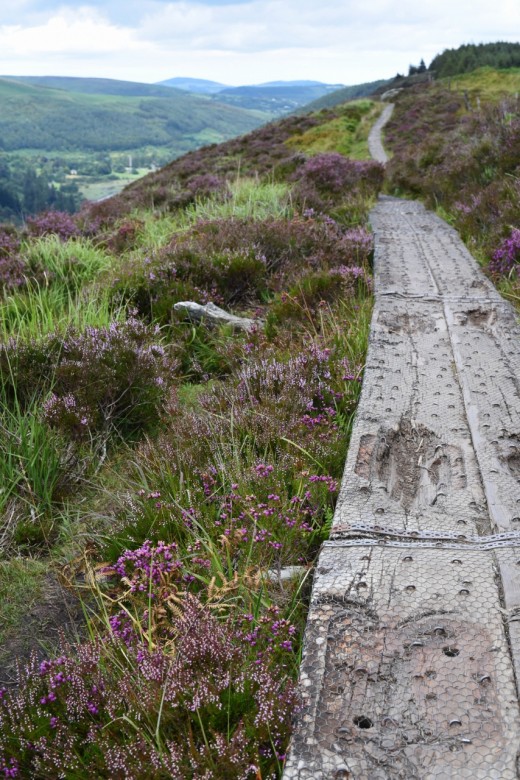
(412, 654)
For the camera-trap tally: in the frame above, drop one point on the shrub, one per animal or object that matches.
(13, 270)
(107, 377)
(215, 703)
(206, 184)
(328, 180)
(506, 258)
(56, 223)
(238, 262)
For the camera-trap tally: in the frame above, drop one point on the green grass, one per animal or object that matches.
(486, 83)
(250, 199)
(63, 293)
(32, 470)
(43, 310)
(70, 264)
(347, 133)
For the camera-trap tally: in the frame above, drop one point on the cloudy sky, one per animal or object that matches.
(242, 41)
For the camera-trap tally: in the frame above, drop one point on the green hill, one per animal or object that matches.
(105, 115)
(88, 86)
(343, 95)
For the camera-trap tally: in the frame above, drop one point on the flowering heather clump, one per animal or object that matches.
(76, 713)
(13, 272)
(112, 376)
(330, 182)
(506, 258)
(236, 261)
(124, 237)
(306, 400)
(13, 269)
(333, 173)
(117, 374)
(9, 242)
(58, 223)
(206, 184)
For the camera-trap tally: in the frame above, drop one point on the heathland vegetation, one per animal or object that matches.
(58, 135)
(179, 478)
(176, 480)
(456, 145)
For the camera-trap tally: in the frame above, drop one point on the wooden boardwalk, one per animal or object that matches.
(412, 649)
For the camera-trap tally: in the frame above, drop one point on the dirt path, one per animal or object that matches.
(412, 652)
(375, 143)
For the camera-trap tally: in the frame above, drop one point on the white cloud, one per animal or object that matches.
(243, 42)
(73, 32)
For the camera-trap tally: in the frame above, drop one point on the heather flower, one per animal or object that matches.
(58, 223)
(506, 258)
(205, 184)
(81, 705)
(111, 376)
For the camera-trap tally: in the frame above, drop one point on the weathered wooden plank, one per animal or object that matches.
(406, 670)
(411, 462)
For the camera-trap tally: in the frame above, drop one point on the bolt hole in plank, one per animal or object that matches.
(362, 722)
(451, 651)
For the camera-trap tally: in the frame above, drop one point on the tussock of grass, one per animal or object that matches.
(249, 199)
(69, 264)
(40, 311)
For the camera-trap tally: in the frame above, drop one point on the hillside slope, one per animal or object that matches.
(456, 145)
(95, 86)
(343, 95)
(277, 98)
(37, 117)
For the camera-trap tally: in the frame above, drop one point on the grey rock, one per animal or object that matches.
(214, 315)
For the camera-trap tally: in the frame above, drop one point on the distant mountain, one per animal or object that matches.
(274, 97)
(108, 115)
(299, 84)
(201, 86)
